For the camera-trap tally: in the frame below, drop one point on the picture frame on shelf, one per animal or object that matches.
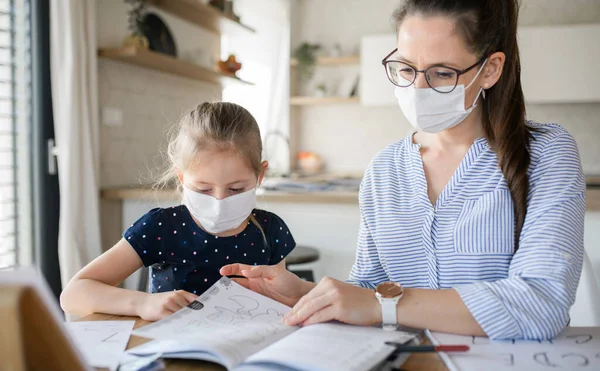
(354, 92)
(348, 86)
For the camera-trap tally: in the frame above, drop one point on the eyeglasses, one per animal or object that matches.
(442, 79)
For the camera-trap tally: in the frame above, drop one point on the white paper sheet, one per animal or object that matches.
(227, 320)
(332, 347)
(575, 348)
(102, 342)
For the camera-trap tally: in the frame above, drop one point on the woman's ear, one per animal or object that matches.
(264, 165)
(492, 71)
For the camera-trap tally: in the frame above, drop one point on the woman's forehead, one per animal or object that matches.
(429, 40)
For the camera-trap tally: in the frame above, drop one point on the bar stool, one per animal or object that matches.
(302, 255)
(144, 282)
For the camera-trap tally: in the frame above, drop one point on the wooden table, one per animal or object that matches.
(416, 362)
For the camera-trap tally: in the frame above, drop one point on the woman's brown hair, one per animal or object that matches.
(490, 26)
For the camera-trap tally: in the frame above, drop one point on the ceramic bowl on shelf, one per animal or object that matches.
(158, 34)
(310, 163)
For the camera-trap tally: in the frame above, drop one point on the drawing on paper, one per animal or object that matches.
(214, 290)
(225, 308)
(581, 339)
(574, 348)
(248, 308)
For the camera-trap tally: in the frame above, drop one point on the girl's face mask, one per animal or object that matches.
(218, 216)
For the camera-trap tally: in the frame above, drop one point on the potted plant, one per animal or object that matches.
(321, 90)
(135, 24)
(305, 54)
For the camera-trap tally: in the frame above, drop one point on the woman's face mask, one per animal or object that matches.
(432, 112)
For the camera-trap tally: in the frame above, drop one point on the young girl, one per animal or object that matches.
(216, 156)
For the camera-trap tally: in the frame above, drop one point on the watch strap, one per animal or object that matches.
(388, 313)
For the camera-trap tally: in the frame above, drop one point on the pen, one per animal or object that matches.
(427, 348)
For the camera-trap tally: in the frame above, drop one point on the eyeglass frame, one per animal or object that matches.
(459, 73)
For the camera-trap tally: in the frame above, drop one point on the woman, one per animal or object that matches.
(479, 214)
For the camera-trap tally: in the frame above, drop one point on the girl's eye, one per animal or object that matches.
(236, 190)
(204, 190)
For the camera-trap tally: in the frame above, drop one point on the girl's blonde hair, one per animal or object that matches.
(219, 126)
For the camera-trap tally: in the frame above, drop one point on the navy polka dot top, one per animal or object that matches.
(182, 256)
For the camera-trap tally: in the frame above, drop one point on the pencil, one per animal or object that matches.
(427, 348)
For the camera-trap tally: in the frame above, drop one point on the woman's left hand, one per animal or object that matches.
(335, 300)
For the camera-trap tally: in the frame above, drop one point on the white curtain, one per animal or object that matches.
(75, 104)
(265, 56)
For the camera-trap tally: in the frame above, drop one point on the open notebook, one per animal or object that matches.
(240, 329)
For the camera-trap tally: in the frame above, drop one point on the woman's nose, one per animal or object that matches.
(421, 81)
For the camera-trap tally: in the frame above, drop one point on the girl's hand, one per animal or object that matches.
(335, 300)
(154, 307)
(273, 281)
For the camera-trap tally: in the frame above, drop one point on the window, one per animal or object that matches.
(15, 133)
(265, 56)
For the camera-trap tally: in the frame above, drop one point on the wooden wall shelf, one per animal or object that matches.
(312, 101)
(164, 63)
(333, 61)
(204, 16)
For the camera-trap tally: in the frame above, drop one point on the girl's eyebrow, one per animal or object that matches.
(211, 184)
(239, 181)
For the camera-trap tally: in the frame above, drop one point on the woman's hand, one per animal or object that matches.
(153, 307)
(335, 300)
(273, 281)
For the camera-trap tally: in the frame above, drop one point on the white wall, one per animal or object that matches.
(347, 136)
(592, 241)
(150, 101)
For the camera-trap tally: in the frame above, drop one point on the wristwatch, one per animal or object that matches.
(388, 294)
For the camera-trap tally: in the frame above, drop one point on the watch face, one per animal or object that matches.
(389, 289)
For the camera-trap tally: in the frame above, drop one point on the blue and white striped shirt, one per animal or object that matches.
(466, 240)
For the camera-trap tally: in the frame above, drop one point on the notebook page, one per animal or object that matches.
(331, 347)
(228, 320)
(574, 348)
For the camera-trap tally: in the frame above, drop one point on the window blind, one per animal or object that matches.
(15, 132)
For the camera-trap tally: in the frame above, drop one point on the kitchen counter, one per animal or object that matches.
(144, 194)
(322, 197)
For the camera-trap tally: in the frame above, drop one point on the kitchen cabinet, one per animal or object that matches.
(375, 88)
(559, 63)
